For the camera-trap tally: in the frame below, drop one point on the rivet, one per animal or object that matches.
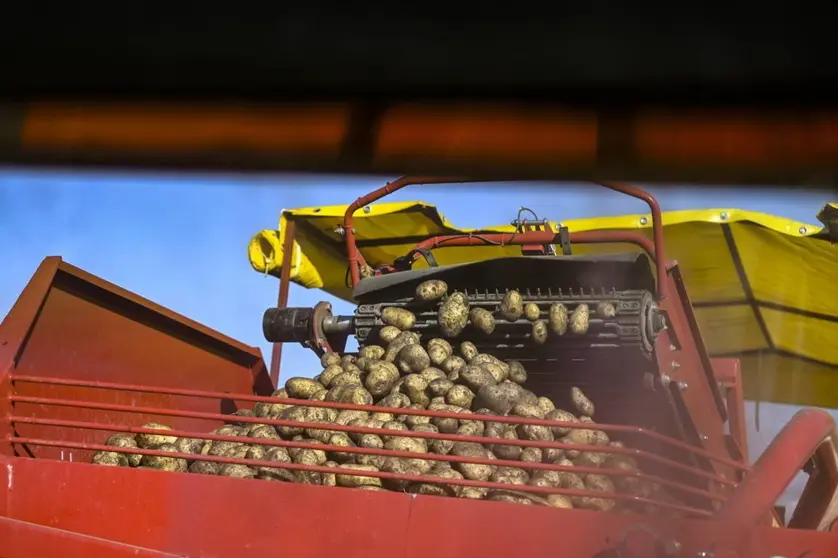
(802, 230)
(723, 216)
(675, 365)
(705, 437)
(683, 385)
(367, 209)
(643, 220)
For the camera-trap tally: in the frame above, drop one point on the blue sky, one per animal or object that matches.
(180, 239)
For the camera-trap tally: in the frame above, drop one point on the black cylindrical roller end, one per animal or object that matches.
(287, 325)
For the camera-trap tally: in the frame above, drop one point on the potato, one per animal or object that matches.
(111, 458)
(330, 359)
(147, 441)
(363, 363)
(578, 436)
(557, 318)
(236, 470)
(431, 291)
(472, 471)
(352, 394)
(475, 378)
(511, 497)
(403, 443)
(532, 311)
(302, 388)
(398, 317)
(460, 396)
(459, 298)
(372, 352)
(482, 320)
(511, 306)
(468, 351)
(123, 440)
(561, 416)
(165, 463)
(394, 400)
(510, 475)
(399, 466)
(413, 420)
(381, 378)
(346, 378)
(425, 428)
(471, 428)
(559, 501)
(533, 455)
(298, 414)
(546, 478)
(446, 425)
(590, 459)
(329, 479)
(473, 492)
(414, 387)
(439, 387)
(392, 425)
(433, 489)
(413, 359)
(190, 445)
(581, 403)
(354, 481)
(517, 372)
(365, 271)
(497, 371)
(256, 453)
(507, 432)
(452, 366)
(606, 310)
(599, 483)
(346, 416)
(439, 350)
(205, 468)
(485, 358)
(579, 319)
(452, 317)
(387, 333)
(501, 398)
(527, 410)
(329, 374)
(539, 332)
(347, 359)
(546, 406)
(430, 374)
(400, 342)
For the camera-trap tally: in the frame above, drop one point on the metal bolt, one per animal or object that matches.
(705, 554)
(683, 385)
(340, 230)
(676, 365)
(643, 220)
(705, 437)
(367, 209)
(723, 215)
(671, 548)
(802, 230)
(665, 380)
(672, 347)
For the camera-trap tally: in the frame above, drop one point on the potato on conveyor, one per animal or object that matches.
(347, 359)
(473, 492)
(606, 310)
(539, 332)
(482, 320)
(459, 396)
(531, 311)
(373, 352)
(475, 378)
(398, 317)
(515, 497)
(439, 350)
(205, 468)
(546, 405)
(147, 441)
(329, 479)
(510, 475)
(330, 359)
(452, 317)
(501, 398)
(412, 359)
(189, 445)
(517, 372)
(346, 378)
(415, 386)
(164, 463)
(354, 481)
(581, 402)
(110, 458)
(452, 366)
(381, 378)
(473, 471)
(123, 440)
(434, 489)
(329, 374)
(249, 413)
(236, 470)
(352, 394)
(580, 319)
(439, 387)
(394, 400)
(512, 305)
(303, 388)
(402, 340)
(431, 291)
(387, 333)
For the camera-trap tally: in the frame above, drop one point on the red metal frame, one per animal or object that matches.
(54, 507)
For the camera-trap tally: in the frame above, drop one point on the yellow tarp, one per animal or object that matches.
(731, 260)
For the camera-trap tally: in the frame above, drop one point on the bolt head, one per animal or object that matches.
(723, 216)
(643, 220)
(802, 230)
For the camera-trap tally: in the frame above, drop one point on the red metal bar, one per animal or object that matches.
(375, 474)
(727, 372)
(657, 226)
(796, 443)
(538, 237)
(284, 288)
(370, 451)
(636, 430)
(21, 539)
(387, 189)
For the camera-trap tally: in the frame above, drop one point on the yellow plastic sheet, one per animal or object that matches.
(764, 288)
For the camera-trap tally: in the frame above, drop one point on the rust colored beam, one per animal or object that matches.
(284, 289)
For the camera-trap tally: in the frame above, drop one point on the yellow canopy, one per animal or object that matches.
(765, 289)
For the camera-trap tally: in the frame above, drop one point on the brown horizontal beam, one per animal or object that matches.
(711, 145)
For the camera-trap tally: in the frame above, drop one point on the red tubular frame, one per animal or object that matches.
(656, 250)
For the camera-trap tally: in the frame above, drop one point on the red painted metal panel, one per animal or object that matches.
(70, 324)
(198, 515)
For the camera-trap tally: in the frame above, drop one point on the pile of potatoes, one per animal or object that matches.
(405, 371)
